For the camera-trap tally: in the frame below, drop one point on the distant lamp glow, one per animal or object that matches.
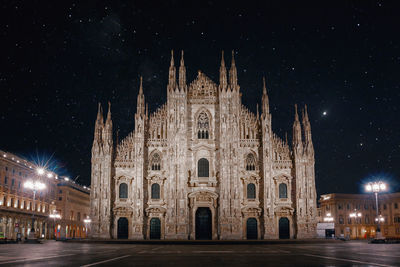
(34, 185)
(40, 171)
(376, 187)
(66, 178)
(49, 175)
(55, 216)
(87, 220)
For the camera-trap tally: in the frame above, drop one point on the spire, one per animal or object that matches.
(258, 115)
(182, 74)
(297, 140)
(141, 86)
(98, 128)
(233, 72)
(99, 115)
(223, 80)
(265, 100)
(107, 130)
(140, 98)
(108, 120)
(307, 129)
(172, 73)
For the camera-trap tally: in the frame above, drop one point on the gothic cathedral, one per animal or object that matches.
(203, 167)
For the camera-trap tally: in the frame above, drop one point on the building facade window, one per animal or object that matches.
(250, 163)
(282, 190)
(348, 206)
(366, 219)
(155, 191)
(203, 126)
(123, 190)
(341, 220)
(340, 206)
(203, 168)
(251, 191)
(396, 206)
(156, 162)
(349, 220)
(384, 206)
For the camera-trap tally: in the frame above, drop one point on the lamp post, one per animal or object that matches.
(34, 186)
(87, 222)
(376, 187)
(356, 215)
(54, 216)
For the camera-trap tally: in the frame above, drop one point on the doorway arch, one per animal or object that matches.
(155, 228)
(284, 228)
(251, 228)
(203, 224)
(123, 231)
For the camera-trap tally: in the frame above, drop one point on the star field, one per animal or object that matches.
(59, 59)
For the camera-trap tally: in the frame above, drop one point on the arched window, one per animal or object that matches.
(251, 191)
(123, 190)
(203, 125)
(156, 162)
(282, 190)
(203, 168)
(250, 163)
(155, 191)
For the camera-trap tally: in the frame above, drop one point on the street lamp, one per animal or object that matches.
(54, 216)
(356, 215)
(376, 187)
(87, 221)
(34, 186)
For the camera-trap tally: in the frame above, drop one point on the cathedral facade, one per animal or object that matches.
(202, 166)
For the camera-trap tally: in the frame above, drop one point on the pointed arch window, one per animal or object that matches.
(156, 162)
(250, 163)
(155, 191)
(251, 191)
(123, 190)
(203, 126)
(203, 168)
(282, 190)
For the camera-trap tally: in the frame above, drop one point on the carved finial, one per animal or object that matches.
(233, 57)
(172, 58)
(182, 61)
(296, 116)
(141, 85)
(264, 87)
(222, 59)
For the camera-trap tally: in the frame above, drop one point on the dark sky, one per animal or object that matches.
(60, 58)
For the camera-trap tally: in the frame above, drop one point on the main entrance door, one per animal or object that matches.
(122, 228)
(284, 230)
(155, 228)
(251, 228)
(203, 224)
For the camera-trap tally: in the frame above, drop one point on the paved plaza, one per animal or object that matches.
(52, 253)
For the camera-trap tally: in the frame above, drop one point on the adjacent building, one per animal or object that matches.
(354, 215)
(203, 166)
(19, 206)
(73, 205)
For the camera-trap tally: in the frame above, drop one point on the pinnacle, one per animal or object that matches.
(172, 58)
(182, 61)
(141, 85)
(264, 87)
(296, 116)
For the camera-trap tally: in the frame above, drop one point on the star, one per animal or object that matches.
(324, 113)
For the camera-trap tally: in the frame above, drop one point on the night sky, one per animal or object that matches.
(60, 58)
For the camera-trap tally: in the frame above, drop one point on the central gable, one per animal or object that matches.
(202, 88)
